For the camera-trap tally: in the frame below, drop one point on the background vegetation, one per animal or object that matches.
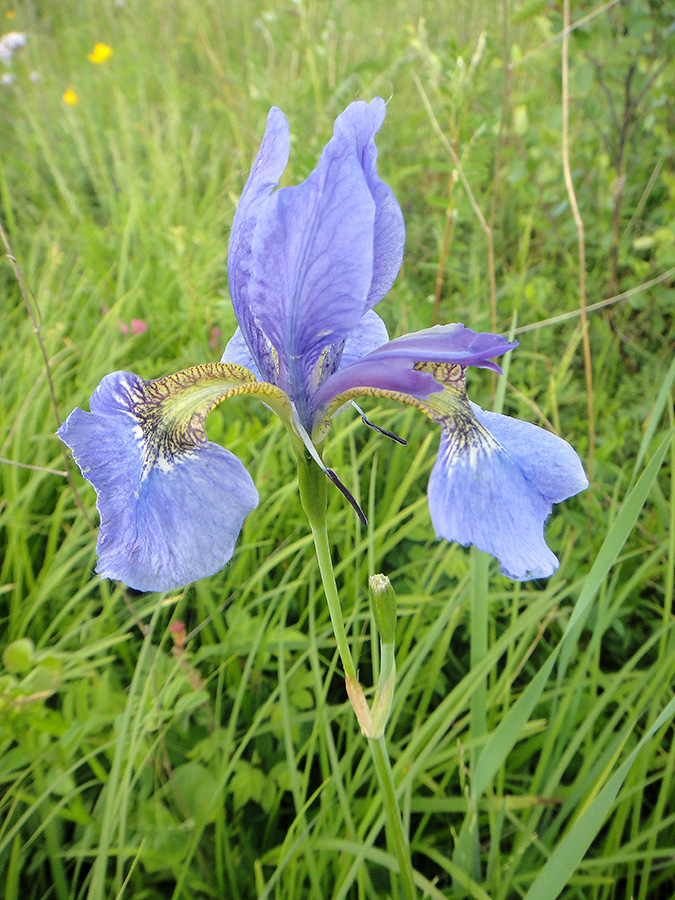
(199, 744)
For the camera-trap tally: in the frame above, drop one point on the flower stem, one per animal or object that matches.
(312, 484)
(385, 775)
(320, 535)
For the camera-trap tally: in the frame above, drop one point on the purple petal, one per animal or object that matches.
(237, 352)
(369, 334)
(381, 374)
(359, 123)
(313, 261)
(390, 367)
(264, 177)
(448, 343)
(495, 488)
(166, 523)
(544, 458)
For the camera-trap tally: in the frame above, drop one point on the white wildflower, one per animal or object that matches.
(10, 42)
(6, 79)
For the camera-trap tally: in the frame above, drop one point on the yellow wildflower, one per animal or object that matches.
(9, 14)
(100, 53)
(70, 97)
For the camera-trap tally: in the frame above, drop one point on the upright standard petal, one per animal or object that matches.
(370, 333)
(171, 502)
(359, 123)
(313, 262)
(264, 177)
(237, 352)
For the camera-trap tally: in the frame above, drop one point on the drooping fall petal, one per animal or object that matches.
(171, 502)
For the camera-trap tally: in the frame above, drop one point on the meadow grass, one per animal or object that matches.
(531, 732)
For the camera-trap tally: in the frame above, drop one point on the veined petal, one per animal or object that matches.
(312, 261)
(495, 479)
(493, 486)
(171, 502)
(454, 344)
(395, 366)
(264, 177)
(371, 332)
(359, 123)
(368, 335)
(237, 352)
(306, 262)
(544, 458)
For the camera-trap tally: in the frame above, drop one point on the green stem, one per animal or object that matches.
(312, 484)
(387, 663)
(385, 775)
(320, 535)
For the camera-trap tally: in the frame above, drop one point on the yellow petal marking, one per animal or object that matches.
(171, 411)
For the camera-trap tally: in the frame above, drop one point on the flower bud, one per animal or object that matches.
(383, 605)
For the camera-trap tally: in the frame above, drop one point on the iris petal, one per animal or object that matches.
(369, 334)
(312, 262)
(359, 123)
(237, 352)
(171, 508)
(264, 177)
(544, 458)
(497, 492)
(453, 343)
(391, 366)
(495, 479)
(306, 262)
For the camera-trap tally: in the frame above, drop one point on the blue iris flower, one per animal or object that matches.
(306, 266)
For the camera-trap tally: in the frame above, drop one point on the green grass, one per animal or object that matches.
(235, 768)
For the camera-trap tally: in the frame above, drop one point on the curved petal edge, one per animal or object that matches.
(168, 515)
(494, 489)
